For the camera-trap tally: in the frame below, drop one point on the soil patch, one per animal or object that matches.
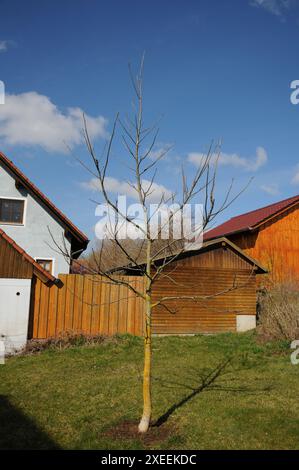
(128, 430)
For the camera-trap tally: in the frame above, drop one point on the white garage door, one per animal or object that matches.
(14, 312)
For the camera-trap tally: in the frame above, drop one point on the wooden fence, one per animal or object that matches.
(86, 304)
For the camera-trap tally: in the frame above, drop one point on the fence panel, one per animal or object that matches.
(87, 304)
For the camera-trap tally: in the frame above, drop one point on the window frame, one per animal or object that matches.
(12, 198)
(44, 258)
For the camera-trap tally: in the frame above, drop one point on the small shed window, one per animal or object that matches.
(12, 211)
(47, 264)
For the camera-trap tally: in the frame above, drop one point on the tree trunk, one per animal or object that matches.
(147, 401)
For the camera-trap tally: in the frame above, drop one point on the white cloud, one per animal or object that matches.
(233, 159)
(115, 186)
(276, 7)
(31, 119)
(271, 189)
(3, 46)
(160, 151)
(295, 179)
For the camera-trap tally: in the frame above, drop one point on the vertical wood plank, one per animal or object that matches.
(61, 306)
(131, 310)
(69, 302)
(78, 303)
(106, 308)
(123, 310)
(87, 304)
(36, 309)
(52, 313)
(113, 309)
(44, 310)
(96, 299)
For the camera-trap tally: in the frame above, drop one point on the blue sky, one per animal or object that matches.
(214, 69)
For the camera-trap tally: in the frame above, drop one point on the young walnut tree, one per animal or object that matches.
(152, 254)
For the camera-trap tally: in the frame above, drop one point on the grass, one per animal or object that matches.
(213, 392)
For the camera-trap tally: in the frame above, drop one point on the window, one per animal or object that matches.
(47, 264)
(12, 211)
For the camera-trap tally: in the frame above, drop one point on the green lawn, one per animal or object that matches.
(209, 392)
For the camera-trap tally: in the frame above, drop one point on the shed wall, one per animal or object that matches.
(275, 245)
(224, 282)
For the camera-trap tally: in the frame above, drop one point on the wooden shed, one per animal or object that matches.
(270, 235)
(213, 290)
(220, 278)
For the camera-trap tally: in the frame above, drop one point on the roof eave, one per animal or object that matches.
(259, 269)
(228, 234)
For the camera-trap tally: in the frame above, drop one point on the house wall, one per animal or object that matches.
(14, 312)
(222, 275)
(34, 236)
(276, 246)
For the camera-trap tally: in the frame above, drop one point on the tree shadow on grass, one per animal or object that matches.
(207, 382)
(18, 431)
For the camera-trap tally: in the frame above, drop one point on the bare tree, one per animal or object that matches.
(149, 256)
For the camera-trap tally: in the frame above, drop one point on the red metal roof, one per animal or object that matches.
(21, 177)
(38, 268)
(250, 220)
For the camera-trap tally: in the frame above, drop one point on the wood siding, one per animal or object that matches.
(275, 245)
(12, 263)
(86, 304)
(90, 305)
(223, 257)
(222, 274)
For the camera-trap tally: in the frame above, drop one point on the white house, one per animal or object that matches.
(34, 222)
(30, 226)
